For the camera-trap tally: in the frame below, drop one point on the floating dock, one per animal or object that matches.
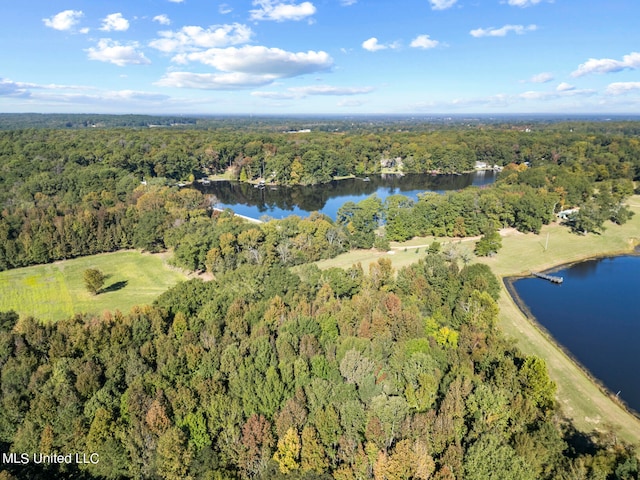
(551, 278)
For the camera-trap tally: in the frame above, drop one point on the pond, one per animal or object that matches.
(595, 315)
(280, 202)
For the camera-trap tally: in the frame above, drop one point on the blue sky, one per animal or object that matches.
(320, 56)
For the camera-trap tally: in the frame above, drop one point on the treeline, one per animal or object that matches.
(522, 198)
(306, 158)
(263, 373)
(51, 229)
(156, 217)
(14, 121)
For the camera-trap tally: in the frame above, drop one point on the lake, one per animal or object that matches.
(595, 315)
(280, 202)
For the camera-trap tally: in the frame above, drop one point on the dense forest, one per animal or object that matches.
(266, 374)
(272, 372)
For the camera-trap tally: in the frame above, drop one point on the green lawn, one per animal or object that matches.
(55, 291)
(400, 254)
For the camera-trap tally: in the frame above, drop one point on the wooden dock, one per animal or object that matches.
(551, 278)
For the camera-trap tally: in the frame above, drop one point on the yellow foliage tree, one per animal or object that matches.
(288, 451)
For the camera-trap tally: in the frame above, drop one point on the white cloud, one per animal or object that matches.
(84, 30)
(214, 81)
(279, 12)
(301, 92)
(565, 87)
(162, 19)
(176, 1)
(372, 45)
(558, 93)
(543, 77)
(114, 22)
(110, 51)
(64, 20)
(225, 9)
(330, 90)
(502, 31)
(347, 3)
(442, 4)
(533, 95)
(622, 88)
(275, 95)
(190, 38)
(523, 3)
(259, 60)
(10, 88)
(246, 67)
(423, 41)
(6, 84)
(608, 65)
(54, 93)
(129, 95)
(350, 103)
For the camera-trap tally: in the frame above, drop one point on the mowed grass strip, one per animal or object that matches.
(55, 291)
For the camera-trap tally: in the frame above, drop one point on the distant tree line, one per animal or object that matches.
(314, 157)
(15, 121)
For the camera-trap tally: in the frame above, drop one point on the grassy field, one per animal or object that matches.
(583, 401)
(55, 291)
(401, 254)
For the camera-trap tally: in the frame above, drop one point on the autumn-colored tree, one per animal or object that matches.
(312, 455)
(257, 443)
(157, 418)
(288, 452)
(173, 455)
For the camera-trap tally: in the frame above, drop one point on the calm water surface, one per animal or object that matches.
(595, 315)
(280, 202)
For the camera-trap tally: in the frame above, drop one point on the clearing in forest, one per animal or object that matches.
(55, 291)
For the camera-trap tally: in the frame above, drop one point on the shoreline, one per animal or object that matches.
(353, 176)
(508, 283)
(582, 398)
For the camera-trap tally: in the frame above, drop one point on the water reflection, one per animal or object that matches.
(584, 269)
(279, 202)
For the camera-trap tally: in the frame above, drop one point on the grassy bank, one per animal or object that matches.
(54, 291)
(583, 401)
